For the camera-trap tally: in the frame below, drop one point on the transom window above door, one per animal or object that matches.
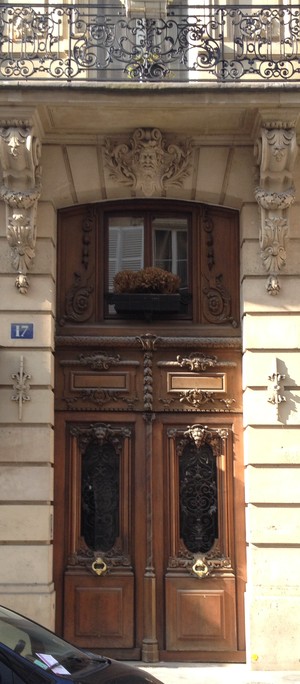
(138, 241)
(194, 246)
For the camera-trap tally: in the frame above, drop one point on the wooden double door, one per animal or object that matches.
(149, 517)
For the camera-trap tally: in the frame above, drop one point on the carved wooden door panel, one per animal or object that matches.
(150, 524)
(149, 537)
(202, 593)
(100, 468)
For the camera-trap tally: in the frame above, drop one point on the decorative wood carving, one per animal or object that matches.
(99, 360)
(148, 164)
(208, 226)
(20, 153)
(200, 434)
(197, 362)
(78, 304)
(148, 381)
(84, 557)
(87, 227)
(215, 560)
(217, 301)
(100, 432)
(217, 305)
(197, 399)
(134, 342)
(148, 341)
(275, 153)
(99, 398)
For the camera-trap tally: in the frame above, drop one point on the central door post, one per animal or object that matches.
(150, 652)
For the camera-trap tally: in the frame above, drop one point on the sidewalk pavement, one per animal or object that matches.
(184, 673)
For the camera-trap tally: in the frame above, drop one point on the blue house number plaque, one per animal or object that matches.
(21, 331)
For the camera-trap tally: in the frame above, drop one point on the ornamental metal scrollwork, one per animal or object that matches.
(197, 449)
(101, 447)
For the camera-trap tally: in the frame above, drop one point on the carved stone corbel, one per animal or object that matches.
(276, 151)
(20, 153)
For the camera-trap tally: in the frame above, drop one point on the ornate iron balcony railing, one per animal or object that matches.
(84, 43)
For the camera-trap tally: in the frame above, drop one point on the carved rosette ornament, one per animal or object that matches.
(148, 164)
(276, 151)
(20, 153)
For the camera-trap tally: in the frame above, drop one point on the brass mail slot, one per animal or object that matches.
(214, 382)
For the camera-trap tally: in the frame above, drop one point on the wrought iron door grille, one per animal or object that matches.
(190, 43)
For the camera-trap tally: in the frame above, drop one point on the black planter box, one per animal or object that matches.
(148, 302)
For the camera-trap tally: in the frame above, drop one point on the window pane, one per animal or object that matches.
(198, 493)
(125, 245)
(100, 496)
(170, 250)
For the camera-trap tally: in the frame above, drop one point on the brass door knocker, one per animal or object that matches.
(99, 566)
(200, 568)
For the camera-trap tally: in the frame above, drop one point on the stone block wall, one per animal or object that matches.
(271, 340)
(26, 429)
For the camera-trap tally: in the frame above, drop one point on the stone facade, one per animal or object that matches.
(234, 165)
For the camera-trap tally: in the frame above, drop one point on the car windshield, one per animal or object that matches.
(43, 648)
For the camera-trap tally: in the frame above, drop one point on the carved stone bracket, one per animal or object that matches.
(276, 151)
(148, 163)
(21, 387)
(20, 153)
